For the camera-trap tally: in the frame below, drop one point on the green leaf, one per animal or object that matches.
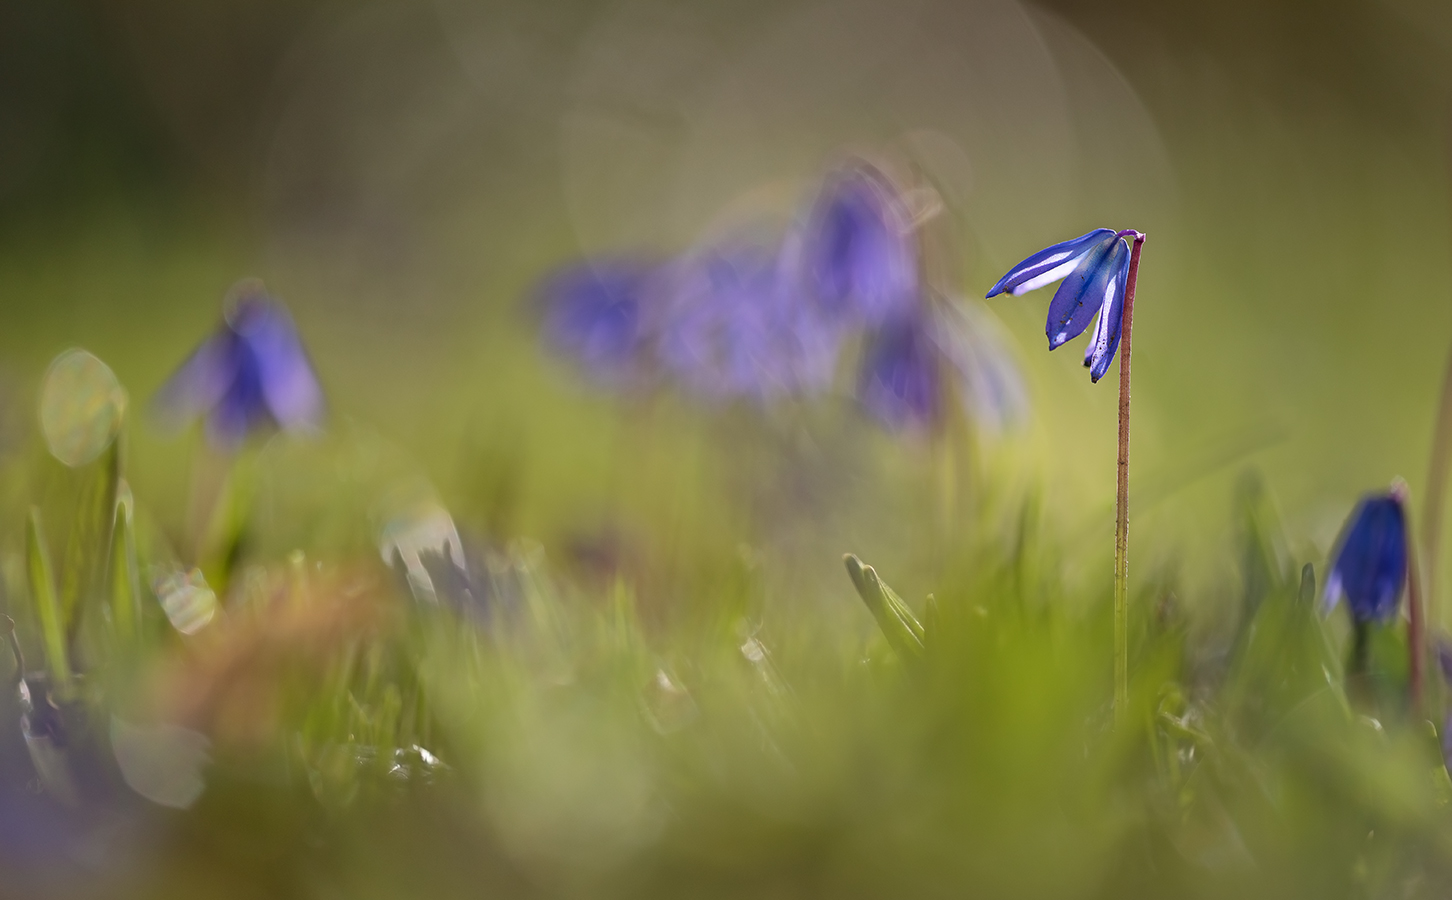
(86, 558)
(125, 576)
(47, 605)
(901, 628)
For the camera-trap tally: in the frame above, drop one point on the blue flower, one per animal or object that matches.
(734, 326)
(859, 253)
(1369, 566)
(596, 313)
(914, 364)
(901, 380)
(1094, 268)
(251, 375)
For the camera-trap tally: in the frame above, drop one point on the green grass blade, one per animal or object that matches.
(47, 605)
(125, 577)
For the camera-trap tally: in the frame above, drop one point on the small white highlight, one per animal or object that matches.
(186, 599)
(1332, 595)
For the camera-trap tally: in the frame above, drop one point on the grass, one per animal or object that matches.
(591, 721)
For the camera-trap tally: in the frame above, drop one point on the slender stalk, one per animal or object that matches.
(1436, 497)
(1121, 521)
(1416, 627)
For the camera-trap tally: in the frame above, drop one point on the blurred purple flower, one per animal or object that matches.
(901, 380)
(596, 314)
(1369, 567)
(735, 326)
(1094, 267)
(1444, 662)
(251, 375)
(858, 253)
(914, 364)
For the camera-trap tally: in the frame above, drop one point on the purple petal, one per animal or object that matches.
(860, 258)
(252, 374)
(1102, 347)
(285, 383)
(1370, 562)
(1050, 264)
(901, 379)
(1082, 294)
(199, 382)
(734, 327)
(596, 314)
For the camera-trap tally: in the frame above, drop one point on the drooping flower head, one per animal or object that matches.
(1369, 566)
(596, 313)
(1094, 268)
(251, 375)
(859, 255)
(734, 326)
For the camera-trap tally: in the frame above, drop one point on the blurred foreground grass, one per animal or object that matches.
(320, 723)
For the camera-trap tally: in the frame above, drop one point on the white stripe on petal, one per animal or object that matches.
(1332, 594)
(1100, 345)
(1060, 271)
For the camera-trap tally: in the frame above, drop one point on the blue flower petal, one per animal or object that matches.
(860, 260)
(1051, 264)
(252, 374)
(900, 383)
(243, 408)
(285, 381)
(1102, 347)
(734, 326)
(1370, 563)
(200, 382)
(1083, 293)
(595, 312)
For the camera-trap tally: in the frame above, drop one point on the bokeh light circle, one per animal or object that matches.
(81, 407)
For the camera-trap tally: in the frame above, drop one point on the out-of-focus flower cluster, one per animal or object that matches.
(765, 314)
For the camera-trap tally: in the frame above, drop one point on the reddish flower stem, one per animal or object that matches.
(1435, 498)
(1416, 627)
(1121, 521)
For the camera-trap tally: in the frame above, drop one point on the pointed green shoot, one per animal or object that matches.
(1306, 595)
(84, 561)
(47, 605)
(125, 577)
(901, 628)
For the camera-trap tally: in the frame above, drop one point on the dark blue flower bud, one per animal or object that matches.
(1369, 567)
